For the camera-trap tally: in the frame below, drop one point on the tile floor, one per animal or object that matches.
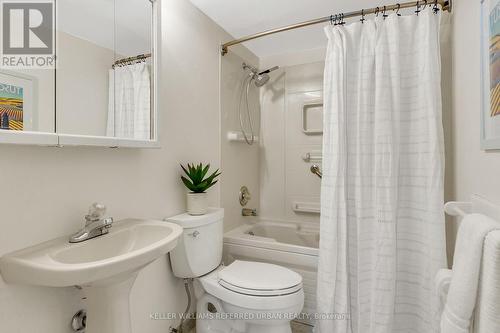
(301, 328)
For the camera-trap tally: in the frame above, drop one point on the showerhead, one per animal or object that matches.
(261, 78)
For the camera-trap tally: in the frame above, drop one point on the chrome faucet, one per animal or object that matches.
(95, 224)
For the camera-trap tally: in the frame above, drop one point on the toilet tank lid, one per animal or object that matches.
(187, 221)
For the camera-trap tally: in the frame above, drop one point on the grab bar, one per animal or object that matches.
(316, 170)
(313, 156)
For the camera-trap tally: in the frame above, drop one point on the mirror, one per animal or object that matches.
(104, 68)
(102, 89)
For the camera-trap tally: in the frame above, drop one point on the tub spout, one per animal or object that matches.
(248, 212)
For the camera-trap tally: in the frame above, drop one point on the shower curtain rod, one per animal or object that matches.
(445, 5)
(132, 59)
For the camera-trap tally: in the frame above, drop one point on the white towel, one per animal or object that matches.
(462, 295)
(487, 318)
(442, 283)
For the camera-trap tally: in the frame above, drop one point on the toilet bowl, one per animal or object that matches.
(242, 297)
(249, 297)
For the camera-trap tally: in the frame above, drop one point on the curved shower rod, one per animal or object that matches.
(445, 5)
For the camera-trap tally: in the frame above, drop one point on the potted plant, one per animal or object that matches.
(195, 181)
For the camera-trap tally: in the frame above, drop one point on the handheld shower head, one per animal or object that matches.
(263, 77)
(259, 78)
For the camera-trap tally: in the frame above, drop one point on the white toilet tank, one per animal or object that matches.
(199, 249)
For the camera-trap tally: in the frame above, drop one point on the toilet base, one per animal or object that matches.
(269, 329)
(212, 318)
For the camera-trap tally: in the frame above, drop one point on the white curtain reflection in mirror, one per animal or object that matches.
(129, 111)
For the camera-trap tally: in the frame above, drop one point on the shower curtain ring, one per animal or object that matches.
(384, 14)
(377, 11)
(435, 8)
(362, 16)
(342, 22)
(418, 8)
(331, 19)
(397, 10)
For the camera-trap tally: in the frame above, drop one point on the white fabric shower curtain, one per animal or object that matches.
(382, 223)
(129, 110)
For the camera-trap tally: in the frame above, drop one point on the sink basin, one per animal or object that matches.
(129, 246)
(105, 267)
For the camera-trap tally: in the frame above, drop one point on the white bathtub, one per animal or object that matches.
(291, 245)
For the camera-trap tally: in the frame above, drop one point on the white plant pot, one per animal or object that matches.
(197, 203)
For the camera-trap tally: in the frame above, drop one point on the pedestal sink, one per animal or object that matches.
(105, 267)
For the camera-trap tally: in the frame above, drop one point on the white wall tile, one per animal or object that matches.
(285, 177)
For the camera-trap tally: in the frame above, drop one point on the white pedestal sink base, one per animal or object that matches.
(105, 267)
(108, 306)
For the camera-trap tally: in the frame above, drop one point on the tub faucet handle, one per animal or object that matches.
(244, 196)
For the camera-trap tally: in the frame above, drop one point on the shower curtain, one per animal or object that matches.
(382, 223)
(129, 110)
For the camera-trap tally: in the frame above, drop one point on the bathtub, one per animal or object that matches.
(291, 245)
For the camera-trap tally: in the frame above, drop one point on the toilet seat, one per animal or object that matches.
(259, 279)
(248, 298)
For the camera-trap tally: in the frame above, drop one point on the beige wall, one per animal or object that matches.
(473, 171)
(46, 191)
(82, 95)
(476, 171)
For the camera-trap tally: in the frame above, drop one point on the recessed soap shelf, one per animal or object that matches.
(237, 136)
(307, 113)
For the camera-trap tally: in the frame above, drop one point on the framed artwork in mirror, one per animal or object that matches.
(16, 102)
(490, 74)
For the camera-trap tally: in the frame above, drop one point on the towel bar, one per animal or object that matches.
(477, 204)
(458, 208)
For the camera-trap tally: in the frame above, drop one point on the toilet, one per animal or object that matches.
(242, 297)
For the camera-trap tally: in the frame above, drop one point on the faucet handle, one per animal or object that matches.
(106, 224)
(96, 212)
